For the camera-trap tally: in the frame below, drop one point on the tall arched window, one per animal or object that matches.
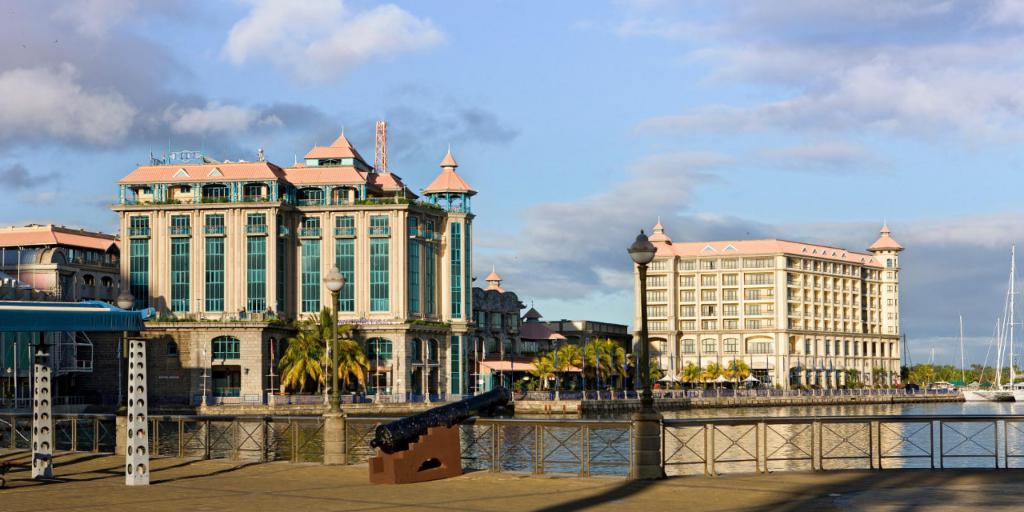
(226, 347)
(432, 351)
(417, 350)
(378, 349)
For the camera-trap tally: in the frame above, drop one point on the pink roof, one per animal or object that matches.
(187, 173)
(501, 365)
(325, 175)
(387, 181)
(340, 148)
(55, 235)
(532, 313)
(449, 181)
(659, 234)
(493, 276)
(449, 160)
(765, 247)
(885, 242)
(538, 331)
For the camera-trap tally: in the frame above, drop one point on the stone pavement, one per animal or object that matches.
(96, 482)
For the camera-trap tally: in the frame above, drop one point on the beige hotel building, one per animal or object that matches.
(227, 252)
(796, 313)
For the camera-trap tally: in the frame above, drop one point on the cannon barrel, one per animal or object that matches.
(397, 435)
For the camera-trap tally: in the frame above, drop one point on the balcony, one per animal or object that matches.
(180, 230)
(380, 231)
(256, 229)
(138, 232)
(214, 230)
(345, 232)
(309, 232)
(311, 202)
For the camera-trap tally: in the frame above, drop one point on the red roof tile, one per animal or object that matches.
(185, 173)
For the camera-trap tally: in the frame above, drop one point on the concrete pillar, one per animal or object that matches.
(137, 424)
(42, 416)
(646, 463)
(334, 439)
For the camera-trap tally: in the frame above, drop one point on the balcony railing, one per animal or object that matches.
(309, 232)
(380, 231)
(180, 230)
(283, 231)
(256, 229)
(214, 230)
(311, 202)
(138, 232)
(346, 232)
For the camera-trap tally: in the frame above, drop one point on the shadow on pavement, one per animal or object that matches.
(616, 493)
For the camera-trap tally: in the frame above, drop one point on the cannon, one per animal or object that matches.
(425, 446)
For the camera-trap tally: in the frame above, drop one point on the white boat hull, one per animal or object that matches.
(993, 396)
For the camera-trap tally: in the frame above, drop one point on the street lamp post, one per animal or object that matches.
(335, 282)
(646, 423)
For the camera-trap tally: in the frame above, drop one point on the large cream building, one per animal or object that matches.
(222, 250)
(796, 313)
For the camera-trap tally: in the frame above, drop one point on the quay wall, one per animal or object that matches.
(605, 407)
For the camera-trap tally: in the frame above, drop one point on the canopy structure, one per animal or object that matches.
(720, 379)
(668, 378)
(751, 378)
(87, 316)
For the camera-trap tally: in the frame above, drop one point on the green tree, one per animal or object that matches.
(691, 374)
(302, 361)
(543, 368)
(353, 365)
(737, 370)
(569, 357)
(604, 359)
(712, 372)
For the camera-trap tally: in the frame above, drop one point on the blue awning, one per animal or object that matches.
(89, 316)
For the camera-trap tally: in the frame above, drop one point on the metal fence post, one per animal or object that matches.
(181, 437)
(495, 447)
(709, 448)
(538, 448)
(95, 435)
(206, 436)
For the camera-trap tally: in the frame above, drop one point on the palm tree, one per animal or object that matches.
(712, 372)
(543, 368)
(302, 360)
(352, 361)
(691, 374)
(569, 356)
(737, 370)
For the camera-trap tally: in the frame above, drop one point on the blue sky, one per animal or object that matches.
(578, 122)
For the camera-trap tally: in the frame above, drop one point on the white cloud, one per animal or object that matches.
(1006, 12)
(323, 39)
(95, 18)
(821, 156)
(48, 102)
(217, 118)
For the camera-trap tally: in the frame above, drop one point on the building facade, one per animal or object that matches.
(797, 314)
(59, 263)
(582, 332)
(210, 241)
(496, 334)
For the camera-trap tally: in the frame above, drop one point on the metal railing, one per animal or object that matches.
(71, 432)
(577, 447)
(727, 393)
(714, 446)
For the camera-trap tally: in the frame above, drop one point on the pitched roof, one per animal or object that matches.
(325, 175)
(449, 181)
(55, 235)
(532, 313)
(224, 171)
(493, 276)
(340, 148)
(885, 242)
(538, 331)
(389, 182)
(766, 247)
(658, 234)
(449, 160)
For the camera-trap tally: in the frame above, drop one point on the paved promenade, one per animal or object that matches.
(95, 482)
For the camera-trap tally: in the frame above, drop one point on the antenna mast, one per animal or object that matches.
(1013, 268)
(963, 372)
(380, 160)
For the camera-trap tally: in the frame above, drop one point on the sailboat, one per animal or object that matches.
(1011, 392)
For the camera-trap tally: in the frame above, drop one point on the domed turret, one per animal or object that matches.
(449, 190)
(659, 234)
(885, 242)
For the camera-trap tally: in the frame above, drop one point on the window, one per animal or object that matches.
(215, 272)
(428, 274)
(729, 263)
(708, 280)
(179, 273)
(215, 193)
(729, 280)
(414, 276)
(311, 276)
(172, 348)
(708, 325)
(760, 347)
(310, 227)
(889, 263)
(138, 271)
(379, 275)
(652, 281)
(730, 310)
(687, 311)
(455, 358)
(760, 324)
(180, 225)
(687, 265)
(686, 296)
(707, 310)
(708, 294)
(729, 295)
(344, 225)
(378, 349)
(345, 254)
(828, 348)
(256, 223)
(730, 324)
(657, 296)
(226, 347)
(686, 281)
(659, 264)
(757, 279)
(215, 224)
(731, 346)
(417, 350)
(807, 347)
(710, 345)
(689, 346)
(310, 196)
(456, 253)
(256, 273)
(707, 264)
(657, 311)
(688, 325)
(765, 262)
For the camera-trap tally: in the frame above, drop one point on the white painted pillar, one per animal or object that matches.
(137, 452)
(42, 414)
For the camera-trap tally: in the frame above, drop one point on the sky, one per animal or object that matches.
(579, 123)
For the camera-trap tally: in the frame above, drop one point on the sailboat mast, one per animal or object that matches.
(963, 372)
(1013, 267)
